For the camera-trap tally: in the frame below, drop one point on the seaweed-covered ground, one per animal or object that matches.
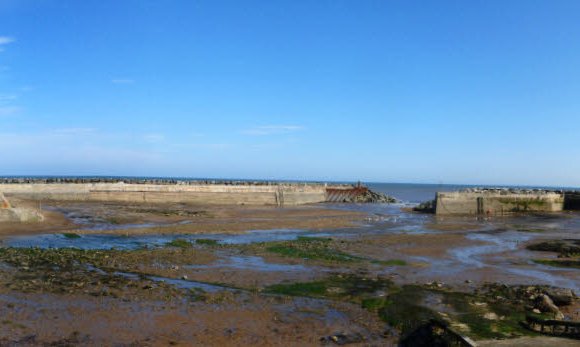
(111, 274)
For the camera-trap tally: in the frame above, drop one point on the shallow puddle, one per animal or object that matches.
(252, 263)
(471, 255)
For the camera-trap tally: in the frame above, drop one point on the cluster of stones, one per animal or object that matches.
(537, 299)
(167, 181)
(507, 191)
(373, 197)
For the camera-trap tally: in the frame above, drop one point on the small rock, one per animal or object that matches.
(184, 277)
(490, 316)
(536, 311)
(545, 304)
(343, 339)
(561, 296)
(334, 290)
(380, 293)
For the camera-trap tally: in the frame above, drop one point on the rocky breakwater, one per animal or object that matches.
(188, 191)
(373, 197)
(357, 194)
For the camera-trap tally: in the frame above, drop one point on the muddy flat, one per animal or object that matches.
(178, 274)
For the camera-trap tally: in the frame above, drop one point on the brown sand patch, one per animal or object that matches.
(254, 320)
(198, 219)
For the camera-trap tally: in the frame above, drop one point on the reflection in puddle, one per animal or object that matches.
(473, 257)
(121, 242)
(185, 284)
(250, 263)
(499, 243)
(182, 284)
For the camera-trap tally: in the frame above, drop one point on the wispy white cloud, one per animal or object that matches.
(122, 81)
(4, 40)
(272, 130)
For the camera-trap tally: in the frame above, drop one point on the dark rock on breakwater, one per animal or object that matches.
(426, 207)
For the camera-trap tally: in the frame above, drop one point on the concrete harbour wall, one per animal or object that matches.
(291, 194)
(495, 202)
(11, 214)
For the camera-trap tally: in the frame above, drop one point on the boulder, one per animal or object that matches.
(546, 305)
(561, 296)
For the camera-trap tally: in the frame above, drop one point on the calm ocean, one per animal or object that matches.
(413, 193)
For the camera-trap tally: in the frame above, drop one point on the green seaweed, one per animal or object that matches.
(314, 253)
(180, 243)
(573, 263)
(313, 239)
(71, 235)
(207, 242)
(404, 310)
(313, 248)
(345, 287)
(565, 248)
(390, 262)
(523, 204)
(507, 324)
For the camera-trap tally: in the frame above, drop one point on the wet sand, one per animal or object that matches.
(118, 218)
(259, 321)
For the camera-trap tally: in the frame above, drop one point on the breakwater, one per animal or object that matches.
(503, 201)
(186, 191)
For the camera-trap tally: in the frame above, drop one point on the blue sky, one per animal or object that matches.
(474, 92)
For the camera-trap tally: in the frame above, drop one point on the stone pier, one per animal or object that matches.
(498, 202)
(219, 193)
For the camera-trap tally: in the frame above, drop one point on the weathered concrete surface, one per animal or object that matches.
(496, 202)
(20, 215)
(3, 202)
(12, 214)
(282, 194)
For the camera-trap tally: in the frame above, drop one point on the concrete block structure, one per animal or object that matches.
(497, 202)
(218, 194)
(12, 214)
(3, 202)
